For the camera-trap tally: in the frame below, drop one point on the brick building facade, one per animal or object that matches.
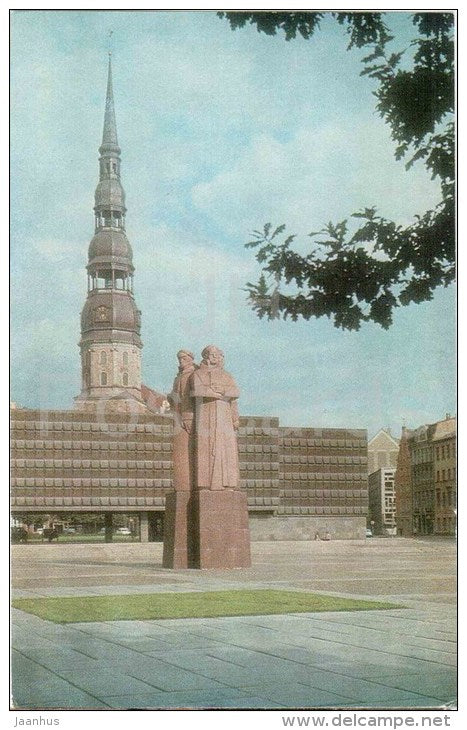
(426, 494)
(444, 470)
(403, 488)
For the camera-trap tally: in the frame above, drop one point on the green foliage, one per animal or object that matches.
(363, 28)
(358, 277)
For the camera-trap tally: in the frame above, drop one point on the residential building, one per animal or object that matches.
(444, 468)
(426, 492)
(382, 502)
(382, 451)
(403, 488)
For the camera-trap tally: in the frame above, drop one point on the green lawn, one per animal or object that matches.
(188, 605)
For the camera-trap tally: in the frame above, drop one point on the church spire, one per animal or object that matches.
(110, 320)
(109, 135)
(110, 197)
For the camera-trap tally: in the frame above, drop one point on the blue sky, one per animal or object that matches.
(220, 132)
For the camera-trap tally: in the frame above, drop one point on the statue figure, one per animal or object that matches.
(182, 405)
(215, 396)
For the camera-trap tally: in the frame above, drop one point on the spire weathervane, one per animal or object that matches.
(109, 43)
(109, 135)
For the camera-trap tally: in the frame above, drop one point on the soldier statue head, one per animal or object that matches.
(185, 360)
(213, 357)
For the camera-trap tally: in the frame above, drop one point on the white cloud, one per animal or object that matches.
(315, 177)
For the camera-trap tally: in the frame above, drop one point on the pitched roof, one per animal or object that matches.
(385, 440)
(444, 429)
(154, 400)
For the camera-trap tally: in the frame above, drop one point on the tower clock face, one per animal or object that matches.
(102, 314)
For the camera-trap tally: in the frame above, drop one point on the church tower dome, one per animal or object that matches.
(110, 320)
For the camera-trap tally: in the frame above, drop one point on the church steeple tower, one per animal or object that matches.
(110, 196)
(109, 136)
(110, 321)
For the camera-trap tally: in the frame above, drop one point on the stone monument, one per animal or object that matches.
(178, 535)
(207, 514)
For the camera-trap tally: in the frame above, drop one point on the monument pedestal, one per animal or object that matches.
(221, 531)
(177, 533)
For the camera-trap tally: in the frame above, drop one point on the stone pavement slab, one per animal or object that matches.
(417, 702)
(298, 695)
(192, 700)
(105, 681)
(167, 678)
(209, 666)
(35, 687)
(441, 685)
(379, 659)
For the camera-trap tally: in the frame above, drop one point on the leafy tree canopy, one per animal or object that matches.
(361, 276)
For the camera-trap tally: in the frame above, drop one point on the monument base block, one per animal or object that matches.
(221, 530)
(177, 550)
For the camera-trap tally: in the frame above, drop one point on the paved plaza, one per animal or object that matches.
(400, 658)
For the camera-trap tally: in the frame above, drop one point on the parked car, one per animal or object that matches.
(123, 531)
(368, 532)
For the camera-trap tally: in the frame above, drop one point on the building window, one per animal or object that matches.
(103, 378)
(103, 359)
(125, 378)
(125, 359)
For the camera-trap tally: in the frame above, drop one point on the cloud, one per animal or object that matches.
(315, 177)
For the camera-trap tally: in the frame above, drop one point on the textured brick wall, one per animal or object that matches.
(71, 460)
(291, 527)
(323, 471)
(258, 446)
(403, 490)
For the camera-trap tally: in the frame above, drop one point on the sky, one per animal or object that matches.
(220, 133)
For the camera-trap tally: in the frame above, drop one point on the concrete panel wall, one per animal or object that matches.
(298, 481)
(269, 527)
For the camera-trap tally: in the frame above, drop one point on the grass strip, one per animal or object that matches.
(146, 606)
